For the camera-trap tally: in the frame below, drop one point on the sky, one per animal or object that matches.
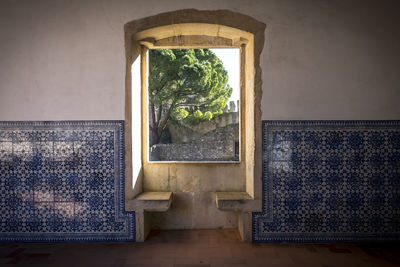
(230, 58)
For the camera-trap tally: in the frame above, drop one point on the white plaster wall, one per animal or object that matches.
(332, 60)
(323, 59)
(64, 60)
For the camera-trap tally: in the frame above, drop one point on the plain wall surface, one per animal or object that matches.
(64, 60)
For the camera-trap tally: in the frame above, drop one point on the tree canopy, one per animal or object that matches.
(189, 85)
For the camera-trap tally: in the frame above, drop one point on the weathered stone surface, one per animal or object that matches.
(236, 201)
(152, 201)
(244, 176)
(143, 205)
(185, 133)
(217, 145)
(194, 210)
(156, 196)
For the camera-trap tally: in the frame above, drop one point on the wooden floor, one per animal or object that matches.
(194, 248)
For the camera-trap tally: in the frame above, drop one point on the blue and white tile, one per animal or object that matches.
(329, 181)
(63, 181)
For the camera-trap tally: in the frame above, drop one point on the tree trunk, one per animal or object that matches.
(155, 137)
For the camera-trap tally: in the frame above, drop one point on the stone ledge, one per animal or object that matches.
(152, 201)
(236, 201)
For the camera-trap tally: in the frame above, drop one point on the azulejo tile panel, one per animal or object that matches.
(329, 181)
(63, 181)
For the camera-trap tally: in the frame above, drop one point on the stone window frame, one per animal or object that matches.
(200, 29)
(193, 36)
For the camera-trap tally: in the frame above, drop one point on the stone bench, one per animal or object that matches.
(153, 201)
(234, 201)
(147, 202)
(243, 203)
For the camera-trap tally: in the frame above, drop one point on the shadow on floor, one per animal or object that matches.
(194, 248)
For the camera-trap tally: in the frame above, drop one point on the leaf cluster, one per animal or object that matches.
(191, 83)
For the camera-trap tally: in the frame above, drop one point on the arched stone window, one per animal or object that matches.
(236, 187)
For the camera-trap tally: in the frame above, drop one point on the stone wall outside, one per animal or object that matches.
(217, 145)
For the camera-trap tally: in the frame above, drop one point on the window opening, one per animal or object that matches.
(193, 105)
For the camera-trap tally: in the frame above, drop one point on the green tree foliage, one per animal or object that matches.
(185, 84)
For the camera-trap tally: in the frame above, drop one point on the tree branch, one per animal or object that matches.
(167, 116)
(190, 105)
(160, 108)
(162, 87)
(153, 114)
(164, 123)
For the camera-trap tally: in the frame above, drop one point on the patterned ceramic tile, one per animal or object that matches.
(63, 181)
(330, 181)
